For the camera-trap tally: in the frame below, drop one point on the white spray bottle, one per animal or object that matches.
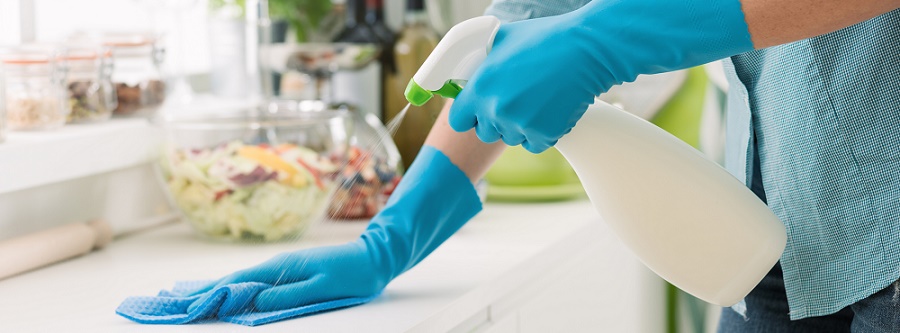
(684, 216)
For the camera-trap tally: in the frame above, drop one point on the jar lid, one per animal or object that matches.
(128, 40)
(85, 54)
(81, 46)
(31, 54)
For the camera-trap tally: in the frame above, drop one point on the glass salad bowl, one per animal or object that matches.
(373, 171)
(256, 174)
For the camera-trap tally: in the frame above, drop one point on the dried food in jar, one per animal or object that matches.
(28, 113)
(139, 97)
(87, 103)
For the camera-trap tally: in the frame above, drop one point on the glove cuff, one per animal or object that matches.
(434, 199)
(655, 36)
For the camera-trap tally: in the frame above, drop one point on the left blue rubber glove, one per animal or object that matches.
(434, 199)
(542, 74)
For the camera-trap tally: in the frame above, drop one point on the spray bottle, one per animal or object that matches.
(685, 217)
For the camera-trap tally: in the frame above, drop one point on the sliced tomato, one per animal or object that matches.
(316, 176)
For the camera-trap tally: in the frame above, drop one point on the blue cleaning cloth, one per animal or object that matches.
(231, 303)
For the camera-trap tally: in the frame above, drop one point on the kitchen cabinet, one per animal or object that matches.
(515, 268)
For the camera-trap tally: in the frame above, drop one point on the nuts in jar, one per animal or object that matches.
(26, 113)
(33, 87)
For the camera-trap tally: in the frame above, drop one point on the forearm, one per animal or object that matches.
(465, 150)
(774, 22)
(432, 201)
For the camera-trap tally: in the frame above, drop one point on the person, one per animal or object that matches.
(813, 128)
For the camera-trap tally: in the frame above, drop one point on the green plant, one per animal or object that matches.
(305, 16)
(237, 6)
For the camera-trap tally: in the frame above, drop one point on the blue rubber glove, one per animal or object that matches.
(542, 74)
(434, 199)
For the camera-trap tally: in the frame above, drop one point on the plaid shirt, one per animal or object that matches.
(821, 116)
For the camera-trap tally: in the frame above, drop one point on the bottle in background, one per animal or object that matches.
(387, 38)
(361, 88)
(416, 41)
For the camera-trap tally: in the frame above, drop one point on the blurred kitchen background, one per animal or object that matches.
(92, 89)
(187, 55)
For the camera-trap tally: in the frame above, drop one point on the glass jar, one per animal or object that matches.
(373, 170)
(90, 94)
(34, 88)
(139, 85)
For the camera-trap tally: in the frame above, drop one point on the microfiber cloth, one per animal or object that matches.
(231, 303)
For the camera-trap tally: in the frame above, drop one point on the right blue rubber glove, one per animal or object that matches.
(542, 74)
(434, 199)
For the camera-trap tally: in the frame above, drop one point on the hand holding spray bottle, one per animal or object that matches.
(684, 216)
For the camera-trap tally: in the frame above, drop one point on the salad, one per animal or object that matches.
(366, 184)
(238, 191)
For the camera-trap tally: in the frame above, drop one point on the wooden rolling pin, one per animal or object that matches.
(22, 254)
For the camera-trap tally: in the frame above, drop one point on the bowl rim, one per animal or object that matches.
(271, 114)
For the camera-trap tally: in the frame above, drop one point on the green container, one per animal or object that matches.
(520, 176)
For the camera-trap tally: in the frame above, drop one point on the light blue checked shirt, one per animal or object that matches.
(821, 116)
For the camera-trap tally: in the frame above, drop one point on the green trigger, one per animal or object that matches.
(449, 90)
(416, 95)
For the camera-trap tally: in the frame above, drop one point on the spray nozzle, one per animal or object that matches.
(453, 60)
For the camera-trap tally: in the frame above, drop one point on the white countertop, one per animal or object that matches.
(504, 249)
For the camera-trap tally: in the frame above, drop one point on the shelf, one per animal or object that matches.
(31, 159)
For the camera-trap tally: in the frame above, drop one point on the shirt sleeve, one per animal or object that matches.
(517, 10)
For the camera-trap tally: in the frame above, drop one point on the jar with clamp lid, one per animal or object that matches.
(90, 94)
(139, 85)
(33, 87)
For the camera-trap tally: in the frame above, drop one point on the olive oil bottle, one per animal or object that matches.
(415, 42)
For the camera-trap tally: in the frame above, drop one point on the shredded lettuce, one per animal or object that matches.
(228, 194)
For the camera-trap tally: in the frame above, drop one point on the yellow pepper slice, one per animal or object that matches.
(267, 158)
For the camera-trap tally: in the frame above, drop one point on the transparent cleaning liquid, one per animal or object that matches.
(395, 122)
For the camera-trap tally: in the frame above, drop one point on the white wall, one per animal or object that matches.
(57, 19)
(9, 22)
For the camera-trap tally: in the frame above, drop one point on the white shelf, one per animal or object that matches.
(31, 159)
